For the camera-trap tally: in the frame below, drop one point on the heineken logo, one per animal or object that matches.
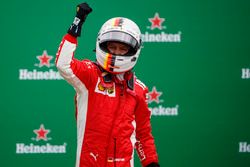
(25, 74)
(154, 95)
(41, 133)
(157, 108)
(31, 148)
(43, 69)
(44, 59)
(39, 147)
(155, 31)
(156, 22)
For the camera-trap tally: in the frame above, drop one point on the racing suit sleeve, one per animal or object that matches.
(74, 71)
(145, 145)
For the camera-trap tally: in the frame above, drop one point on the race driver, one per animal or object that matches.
(111, 109)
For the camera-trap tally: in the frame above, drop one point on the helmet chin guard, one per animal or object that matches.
(120, 30)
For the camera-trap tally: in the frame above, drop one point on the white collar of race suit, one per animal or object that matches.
(120, 76)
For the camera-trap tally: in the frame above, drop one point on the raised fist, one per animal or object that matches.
(82, 10)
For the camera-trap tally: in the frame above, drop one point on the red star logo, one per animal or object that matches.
(156, 22)
(154, 95)
(44, 59)
(41, 133)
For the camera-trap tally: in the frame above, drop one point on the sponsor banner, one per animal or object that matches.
(49, 73)
(160, 109)
(44, 148)
(152, 36)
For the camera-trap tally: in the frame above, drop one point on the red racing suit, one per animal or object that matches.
(112, 121)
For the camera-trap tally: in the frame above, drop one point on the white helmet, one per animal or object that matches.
(121, 30)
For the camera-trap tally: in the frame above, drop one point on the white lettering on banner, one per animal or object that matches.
(162, 37)
(21, 148)
(162, 111)
(245, 73)
(24, 74)
(244, 147)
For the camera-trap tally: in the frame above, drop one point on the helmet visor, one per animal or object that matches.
(117, 36)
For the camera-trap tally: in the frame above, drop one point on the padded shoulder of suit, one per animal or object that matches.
(140, 88)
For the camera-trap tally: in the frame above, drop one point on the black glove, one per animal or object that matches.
(82, 12)
(153, 164)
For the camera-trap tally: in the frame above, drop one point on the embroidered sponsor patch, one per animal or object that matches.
(105, 91)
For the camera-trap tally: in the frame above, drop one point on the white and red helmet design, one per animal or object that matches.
(123, 30)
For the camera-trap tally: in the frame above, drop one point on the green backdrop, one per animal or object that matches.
(195, 61)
